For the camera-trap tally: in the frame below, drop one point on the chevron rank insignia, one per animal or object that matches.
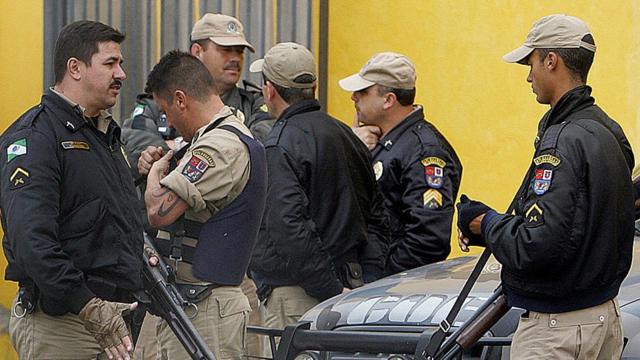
(534, 215)
(432, 199)
(19, 178)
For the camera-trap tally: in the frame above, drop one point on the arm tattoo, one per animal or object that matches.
(171, 203)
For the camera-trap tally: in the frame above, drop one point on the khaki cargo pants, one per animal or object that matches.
(147, 345)
(592, 333)
(284, 306)
(41, 336)
(221, 321)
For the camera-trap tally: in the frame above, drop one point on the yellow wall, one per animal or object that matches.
(21, 27)
(483, 105)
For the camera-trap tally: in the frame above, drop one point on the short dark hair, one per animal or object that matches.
(80, 39)
(179, 70)
(578, 61)
(204, 43)
(405, 97)
(295, 95)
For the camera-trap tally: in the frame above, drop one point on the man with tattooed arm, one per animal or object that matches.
(209, 207)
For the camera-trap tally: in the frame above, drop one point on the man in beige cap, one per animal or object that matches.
(219, 42)
(567, 245)
(416, 168)
(324, 224)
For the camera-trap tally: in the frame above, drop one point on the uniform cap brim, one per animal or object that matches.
(232, 41)
(355, 83)
(519, 54)
(256, 66)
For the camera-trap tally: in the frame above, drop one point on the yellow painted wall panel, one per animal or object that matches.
(483, 105)
(21, 67)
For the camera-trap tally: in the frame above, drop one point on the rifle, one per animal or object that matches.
(473, 329)
(165, 300)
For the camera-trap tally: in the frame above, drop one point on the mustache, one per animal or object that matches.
(232, 65)
(116, 82)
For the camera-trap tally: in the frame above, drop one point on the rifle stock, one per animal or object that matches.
(167, 302)
(483, 323)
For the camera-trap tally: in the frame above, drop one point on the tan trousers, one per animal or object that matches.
(40, 336)
(147, 345)
(592, 333)
(254, 345)
(221, 321)
(284, 306)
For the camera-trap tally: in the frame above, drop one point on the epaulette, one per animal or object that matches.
(427, 133)
(550, 137)
(251, 87)
(26, 119)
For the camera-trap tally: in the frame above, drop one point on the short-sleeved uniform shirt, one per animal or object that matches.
(213, 172)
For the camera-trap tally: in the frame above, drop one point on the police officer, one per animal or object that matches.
(324, 224)
(72, 239)
(219, 42)
(417, 169)
(567, 247)
(209, 207)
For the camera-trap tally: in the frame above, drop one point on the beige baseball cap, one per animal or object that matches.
(387, 69)
(553, 32)
(223, 30)
(284, 62)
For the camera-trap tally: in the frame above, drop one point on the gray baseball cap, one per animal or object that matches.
(553, 32)
(223, 30)
(284, 63)
(387, 69)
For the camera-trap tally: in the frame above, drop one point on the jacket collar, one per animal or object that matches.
(387, 141)
(299, 108)
(573, 100)
(75, 118)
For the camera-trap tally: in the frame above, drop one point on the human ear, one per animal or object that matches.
(73, 68)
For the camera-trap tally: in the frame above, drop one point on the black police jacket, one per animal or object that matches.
(323, 207)
(419, 174)
(569, 244)
(68, 208)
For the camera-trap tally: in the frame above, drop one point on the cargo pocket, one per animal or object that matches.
(232, 327)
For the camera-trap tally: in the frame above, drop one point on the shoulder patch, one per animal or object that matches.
(434, 176)
(138, 110)
(204, 156)
(79, 145)
(546, 159)
(432, 199)
(433, 160)
(542, 181)
(18, 148)
(19, 178)
(195, 168)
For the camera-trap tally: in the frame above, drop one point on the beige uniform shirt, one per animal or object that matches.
(213, 172)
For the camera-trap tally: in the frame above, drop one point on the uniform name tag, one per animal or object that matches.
(69, 145)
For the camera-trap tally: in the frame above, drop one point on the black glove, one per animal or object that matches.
(467, 211)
